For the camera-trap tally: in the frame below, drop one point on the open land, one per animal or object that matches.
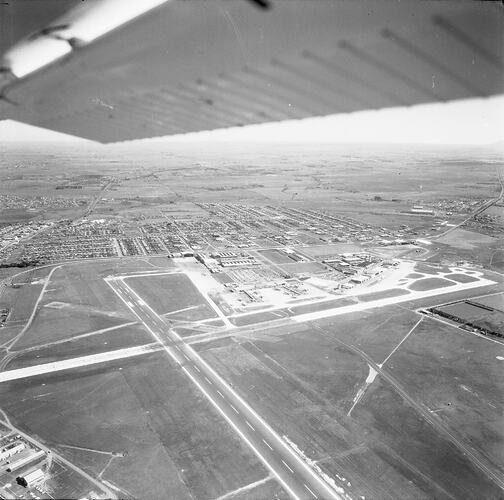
(169, 293)
(180, 443)
(496, 301)
(311, 407)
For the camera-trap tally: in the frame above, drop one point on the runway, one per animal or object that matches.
(297, 478)
(411, 296)
(72, 363)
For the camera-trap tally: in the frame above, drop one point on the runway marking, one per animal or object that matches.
(288, 467)
(208, 381)
(249, 424)
(240, 433)
(313, 494)
(186, 357)
(321, 482)
(220, 393)
(197, 369)
(267, 444)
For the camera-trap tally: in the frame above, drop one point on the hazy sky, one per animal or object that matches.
(472, 121)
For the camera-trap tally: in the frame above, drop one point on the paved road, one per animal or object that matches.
(95, 200)
(298, 479)
(480, 210)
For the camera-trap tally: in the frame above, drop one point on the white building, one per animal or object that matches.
(11, 449)
(31, 479)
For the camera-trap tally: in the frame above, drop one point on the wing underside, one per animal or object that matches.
(188, 66)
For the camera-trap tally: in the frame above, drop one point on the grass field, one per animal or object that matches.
(22, 300)
(461, 238)
(427, 269)
(167, 293)
(375, 331)
(459, 377)
(303, 380)
(83, 285)
(8, 333)
(269, 490)
(276, 256)
(188, 329)
(469, 313)
(322, 306)
(145, 264)
(496, 301)
(429, 284)
(161, 262)
(215, 322)
(497, 260)
(189, 332)
(86, 303)
(147, 411)
(51, 325)
(382, 294)
(461, 278)
(446, 296)
(15, 215)
(128, 336)
(416, 452)
(192, 313)
(260, 317)
(303, 267)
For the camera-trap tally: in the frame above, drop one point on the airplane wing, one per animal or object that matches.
(186, 66)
